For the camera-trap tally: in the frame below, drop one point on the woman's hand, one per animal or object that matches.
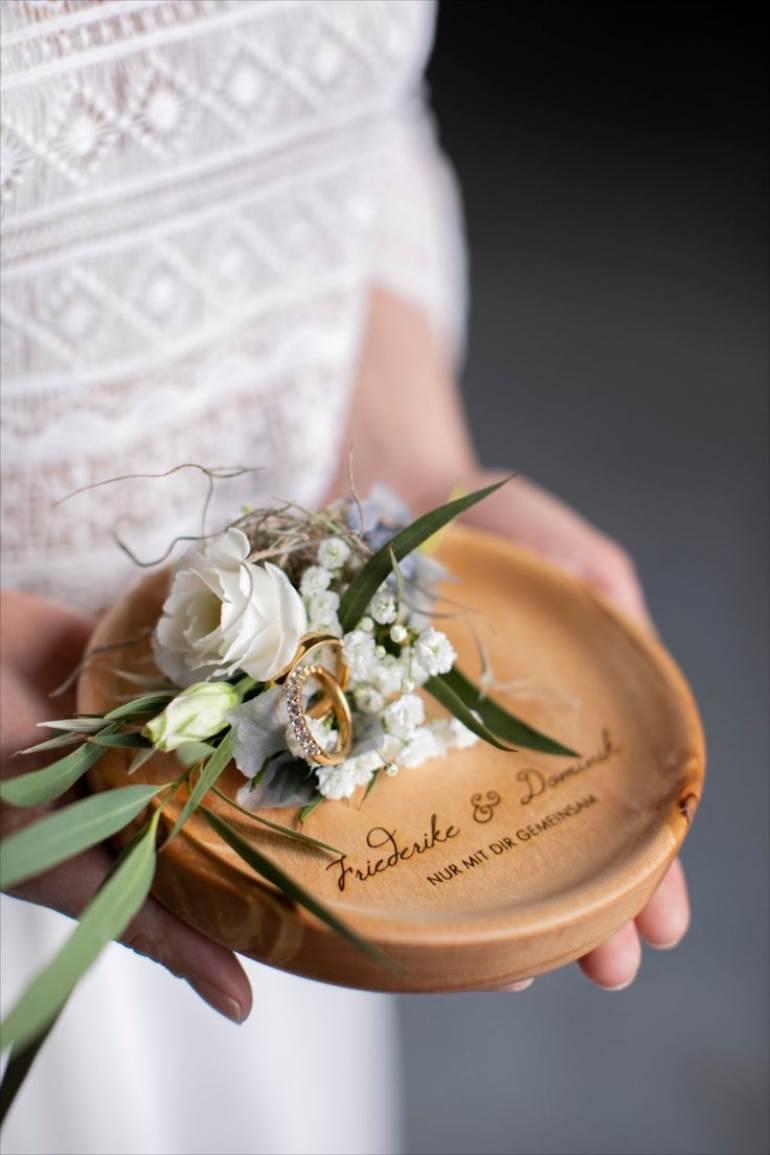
(533, 518)
(42, 644)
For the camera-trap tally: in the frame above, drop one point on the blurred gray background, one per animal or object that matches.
(613, 166)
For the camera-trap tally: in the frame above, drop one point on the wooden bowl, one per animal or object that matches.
(482, 867)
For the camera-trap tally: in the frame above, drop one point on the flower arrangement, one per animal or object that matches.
(300, 646)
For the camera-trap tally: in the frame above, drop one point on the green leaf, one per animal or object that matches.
(105, 918)
(291, 889)
(297, 835)
(129, 741)
(45, 785)
(19, 1063)
(86, 724)
(206, 779)
(370, 784)
(51, 744)
(67, 832)
(312, 805)
(149, 703)
(369, 579)
(444, 694)
(497, 718)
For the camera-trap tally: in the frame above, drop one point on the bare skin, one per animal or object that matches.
(407, 430)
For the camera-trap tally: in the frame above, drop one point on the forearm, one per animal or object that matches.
(406, 427)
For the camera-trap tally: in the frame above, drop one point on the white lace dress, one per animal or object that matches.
(197, 198)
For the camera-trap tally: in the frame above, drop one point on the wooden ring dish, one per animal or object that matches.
(484, 867)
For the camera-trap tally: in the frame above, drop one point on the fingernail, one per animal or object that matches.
(666, 945)
(225, 1004)
(620, 986)
(523, 985)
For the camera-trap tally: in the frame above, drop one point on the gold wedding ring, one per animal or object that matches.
(333, 700)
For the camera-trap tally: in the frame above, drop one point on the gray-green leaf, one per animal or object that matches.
(216, 764)
(499, 720)
(291, 889)
(369, 579)
(444, 694)
(105, 918)
(66, 832)
(52, 781)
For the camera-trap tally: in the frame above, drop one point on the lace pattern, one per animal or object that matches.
(197, 196)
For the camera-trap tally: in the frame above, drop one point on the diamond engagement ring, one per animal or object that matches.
(333, 698)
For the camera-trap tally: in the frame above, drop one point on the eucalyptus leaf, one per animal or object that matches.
(370, 784)
(86, 724)
(68, 831)
(369, 579)
(444, 694)
(212, 770)
(312, 805)
(51, 744)
(52, 781)
(19, 1062)
(497, 718)
(139, 759)
(147, 704)
(291, 889)
(130, 741)
(105, 918)
(297, 835)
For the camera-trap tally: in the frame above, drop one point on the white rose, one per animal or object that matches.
(224, 614)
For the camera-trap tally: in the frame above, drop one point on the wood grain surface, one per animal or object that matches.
(481, 867)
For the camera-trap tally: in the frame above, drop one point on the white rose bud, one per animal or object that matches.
(197, 713)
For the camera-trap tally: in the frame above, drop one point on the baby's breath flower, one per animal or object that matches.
(323, 606)
(388, 675)
(450, 732)
(368, 700)
(383, 607)
(358, 652)
(398, 633)
(314, 580)
(341, 781)
(333, 552)
(403, 716)
(380, 652)
(391, 769)
(421, 746)
(366, 624)
(336, 782)
(434, 652)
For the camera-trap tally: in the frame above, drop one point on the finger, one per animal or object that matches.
(614, 964)
(211, 970)
(665, 919)
(521, 985)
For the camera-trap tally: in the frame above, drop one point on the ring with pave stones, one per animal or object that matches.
(333, 686)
